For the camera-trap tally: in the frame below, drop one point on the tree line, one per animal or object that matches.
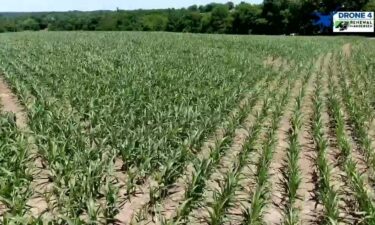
(271, 17)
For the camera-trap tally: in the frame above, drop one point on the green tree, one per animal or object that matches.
(192, 22)
(220, 20)
(370, 6)
(272, 12)
(108, 22)
(271, 17)
(193, 8)
(230, 5)
(30, 24)
(245, 18)
(154, 22)
(2, 26)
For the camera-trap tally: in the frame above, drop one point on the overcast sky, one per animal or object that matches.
(85, 5)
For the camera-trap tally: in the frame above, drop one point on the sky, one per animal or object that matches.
(88, 5)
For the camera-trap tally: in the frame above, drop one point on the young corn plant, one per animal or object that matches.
(223, 199)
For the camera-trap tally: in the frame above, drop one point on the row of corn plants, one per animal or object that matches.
(328, 195)
(355, 87)
(360, 115)
(356, 180)
(253, 214)
(293, 173)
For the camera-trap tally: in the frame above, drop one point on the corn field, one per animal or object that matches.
(157, 128)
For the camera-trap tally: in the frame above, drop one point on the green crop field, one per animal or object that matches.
(162, 128)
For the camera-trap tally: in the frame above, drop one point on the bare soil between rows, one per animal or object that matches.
(10, 104)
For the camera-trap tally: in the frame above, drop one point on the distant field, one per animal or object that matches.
(158, 128)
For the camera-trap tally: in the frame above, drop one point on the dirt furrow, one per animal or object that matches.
(307, 203)
(129, 212)
(42, 201)
(274, 212)
(347, 50)
(274, 63)
(9, 103)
